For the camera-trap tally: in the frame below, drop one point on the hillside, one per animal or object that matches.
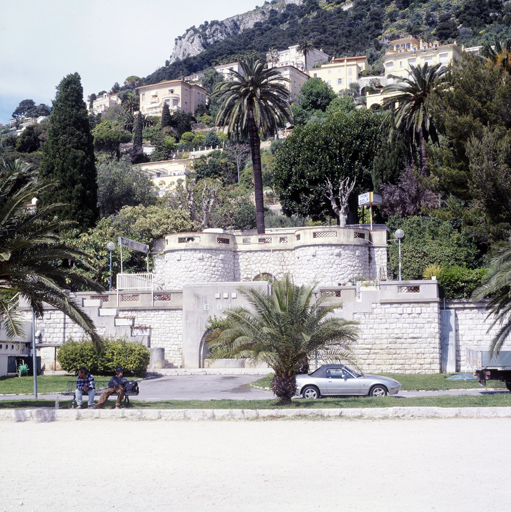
(340, 28)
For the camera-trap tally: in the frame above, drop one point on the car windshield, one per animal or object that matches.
(355, 374)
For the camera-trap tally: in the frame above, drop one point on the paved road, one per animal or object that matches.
(256, 466)
(233, 387)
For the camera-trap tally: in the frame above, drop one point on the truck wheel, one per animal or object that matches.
(508, 385)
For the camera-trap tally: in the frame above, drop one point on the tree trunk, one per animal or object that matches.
(255, 148)
(422, 154)
(284, 387)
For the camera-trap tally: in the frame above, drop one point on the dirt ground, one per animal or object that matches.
(293, 465)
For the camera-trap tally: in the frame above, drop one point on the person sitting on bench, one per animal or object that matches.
(84, 384)
(116, 385)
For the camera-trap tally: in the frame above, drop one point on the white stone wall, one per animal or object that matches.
(471, 329)
(57, 328)
(249, 264)
(175, 269)
(330, 265)
(166, 330)
(401, 338)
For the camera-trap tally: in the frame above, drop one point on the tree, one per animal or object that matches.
(282, 329)
(68, 156)
(166, 120)
(239, 152)
(499, 54)
(342, 147)
(256, 99)
(121, 184)
(130, 101)
(305, 46)
(316, 95)
(92, 98)
(108, 139)
(23, 107)
(412, 114)
(212, 139)
(496, 286)
(181, 122)
(31, 251)
(138, 131)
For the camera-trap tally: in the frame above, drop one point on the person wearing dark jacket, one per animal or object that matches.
(116, 385)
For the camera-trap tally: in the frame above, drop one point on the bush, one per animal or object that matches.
(133, 357)
(431, 271)
(459, 282)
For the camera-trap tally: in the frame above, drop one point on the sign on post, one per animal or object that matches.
(131, 244)
(136, 246)
(370, 199)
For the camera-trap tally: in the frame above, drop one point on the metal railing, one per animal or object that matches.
(130, 282)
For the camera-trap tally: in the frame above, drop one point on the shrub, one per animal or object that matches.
(431, 270)
(133, 357)
(459, 282)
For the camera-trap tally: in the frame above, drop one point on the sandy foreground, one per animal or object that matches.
(334, 465)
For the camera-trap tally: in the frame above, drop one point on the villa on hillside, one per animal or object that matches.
(226, 69)
(104, 102)
(409, 51)
(177, 94)
(340, 73)
(166, 174)
(294, 57)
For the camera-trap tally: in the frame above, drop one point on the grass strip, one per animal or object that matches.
(434, 382)
(496, 399)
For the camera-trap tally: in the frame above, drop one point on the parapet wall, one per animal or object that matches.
(329, 256)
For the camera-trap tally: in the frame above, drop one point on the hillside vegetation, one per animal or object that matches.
(340, 28)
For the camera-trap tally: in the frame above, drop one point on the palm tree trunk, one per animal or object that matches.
(422, 154)
(255, 148)
(284, 387)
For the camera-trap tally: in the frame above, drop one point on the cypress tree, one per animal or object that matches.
(166, 120)
(68, 156)
(137, 131)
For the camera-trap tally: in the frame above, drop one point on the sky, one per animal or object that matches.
(105, 41)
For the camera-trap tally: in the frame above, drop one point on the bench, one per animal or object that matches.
(100, 386)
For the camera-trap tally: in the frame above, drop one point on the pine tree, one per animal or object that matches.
(137, 132)
(166, 120)
(68, 156)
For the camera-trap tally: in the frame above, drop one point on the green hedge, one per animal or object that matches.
(133, 357)
(459, 282)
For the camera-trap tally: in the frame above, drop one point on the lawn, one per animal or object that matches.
(497, 399)
(413, 382)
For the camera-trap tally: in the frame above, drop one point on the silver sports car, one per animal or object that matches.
(339, 380)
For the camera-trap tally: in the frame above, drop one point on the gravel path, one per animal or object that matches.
(299, 466)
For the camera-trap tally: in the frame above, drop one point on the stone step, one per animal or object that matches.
(108, 312)
(124, 321)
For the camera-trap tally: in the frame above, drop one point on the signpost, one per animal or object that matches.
(136, 246)
(368, 199)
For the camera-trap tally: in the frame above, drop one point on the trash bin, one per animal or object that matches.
(23, 370)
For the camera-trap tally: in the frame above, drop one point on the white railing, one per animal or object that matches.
(129, 282)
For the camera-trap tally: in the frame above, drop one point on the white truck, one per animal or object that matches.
(487, 368)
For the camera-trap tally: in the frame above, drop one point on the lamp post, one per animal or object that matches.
(110, 246)
(315, 293)
(399, 234)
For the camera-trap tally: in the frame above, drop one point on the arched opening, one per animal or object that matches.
(204, 350)
(264, 276)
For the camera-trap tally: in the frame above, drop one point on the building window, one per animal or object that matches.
(143, 96)
(329, 82)
(315, 75)
(339, 81)
(167, 102)
(339, 70)
(350, 71)
(408, 45)
(444, 57)
(390, 66)
(186, 92)
(400, 64)
(175, 102)
(411, 62)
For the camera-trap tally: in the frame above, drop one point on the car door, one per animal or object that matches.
(340, 382)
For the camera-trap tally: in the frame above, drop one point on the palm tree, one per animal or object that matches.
(305, 46)
(30, 252)
(282, 329)
(272, 57)
(500, 54)
(497, 286)
(412, 114)
(255, 99)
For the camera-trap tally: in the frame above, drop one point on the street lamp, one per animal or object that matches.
(110, 246)
(315, 292)
(399, 234)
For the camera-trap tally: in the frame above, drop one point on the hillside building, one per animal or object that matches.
(295, 78)
(177, 94)
(294, 57)
(340, 73)
(101, 104)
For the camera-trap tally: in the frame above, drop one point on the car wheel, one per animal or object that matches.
(310, 392)
(378, 391)
(508, 385)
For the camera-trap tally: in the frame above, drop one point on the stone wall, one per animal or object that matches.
(400, 338)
